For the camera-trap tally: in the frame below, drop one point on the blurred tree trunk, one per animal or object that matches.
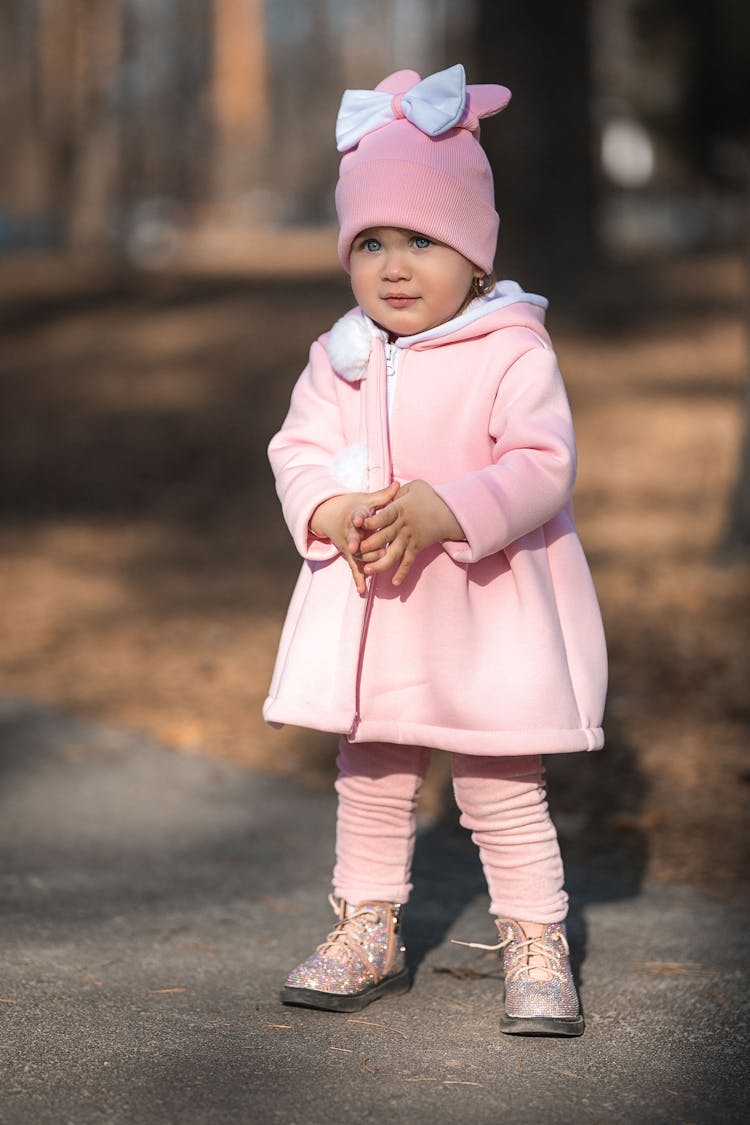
(240, 98)
(736, 540)
(716, 116)
(95, 43)
(305, 71)
(541, 148)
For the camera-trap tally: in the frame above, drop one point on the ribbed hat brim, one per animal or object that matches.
(398, 193)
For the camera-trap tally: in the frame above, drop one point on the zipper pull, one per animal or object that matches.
(390, 365)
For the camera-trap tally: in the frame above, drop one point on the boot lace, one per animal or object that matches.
(345, 934)
(533, 947)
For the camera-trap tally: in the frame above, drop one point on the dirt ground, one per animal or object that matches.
(145, 568)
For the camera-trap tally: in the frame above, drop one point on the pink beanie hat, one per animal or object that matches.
(413, 160)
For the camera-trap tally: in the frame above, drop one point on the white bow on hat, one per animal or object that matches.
(434, 105)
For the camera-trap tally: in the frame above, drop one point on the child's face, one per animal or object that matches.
(407, 282)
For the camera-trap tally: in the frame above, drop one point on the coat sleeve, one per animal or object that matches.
(301, 453)
(533, 465)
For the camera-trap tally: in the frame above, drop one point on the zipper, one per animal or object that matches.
(361, 654)
(391, 358)
(377, 428)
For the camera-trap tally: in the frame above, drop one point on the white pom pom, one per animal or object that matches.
(350, 468)
(349, 346)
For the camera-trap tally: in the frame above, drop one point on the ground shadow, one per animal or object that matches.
(597, 803)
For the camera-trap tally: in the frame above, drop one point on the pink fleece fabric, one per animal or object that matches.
(503, 804)
(493, 645)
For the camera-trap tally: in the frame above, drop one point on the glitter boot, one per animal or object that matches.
(540, 994)
(361, 960)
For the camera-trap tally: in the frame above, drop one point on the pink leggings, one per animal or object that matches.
(503, 804)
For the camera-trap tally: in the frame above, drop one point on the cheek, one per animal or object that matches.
(454, 282)
(360, 280)
(462, 290)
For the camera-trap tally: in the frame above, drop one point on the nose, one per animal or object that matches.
(395, 265)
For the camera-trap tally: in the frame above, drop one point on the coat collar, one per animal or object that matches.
(350, 340)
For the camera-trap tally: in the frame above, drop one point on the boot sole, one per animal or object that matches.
(542, 1025)
(339, 1002)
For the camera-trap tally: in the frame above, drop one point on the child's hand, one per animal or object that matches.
(342, 519)
(412, 520)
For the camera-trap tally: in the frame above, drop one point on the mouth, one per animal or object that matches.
(399, 300)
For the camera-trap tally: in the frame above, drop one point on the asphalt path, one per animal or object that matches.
(153, 902)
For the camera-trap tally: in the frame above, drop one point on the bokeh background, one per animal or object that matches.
(167, 253)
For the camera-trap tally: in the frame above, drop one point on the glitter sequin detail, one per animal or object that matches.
(526, 997)
(357, 952)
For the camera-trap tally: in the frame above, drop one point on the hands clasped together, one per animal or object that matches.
(376, 531)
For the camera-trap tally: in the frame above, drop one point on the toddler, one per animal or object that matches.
(425, 470)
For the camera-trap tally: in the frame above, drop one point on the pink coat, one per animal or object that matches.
(493, 645)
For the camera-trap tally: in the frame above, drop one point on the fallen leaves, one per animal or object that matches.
(645, 821)
(371, 1023)
(277, 905)
(197, 947)
(673, 968)
(465, 972)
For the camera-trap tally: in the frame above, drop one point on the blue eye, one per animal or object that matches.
(421, 241)
(371, 244)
